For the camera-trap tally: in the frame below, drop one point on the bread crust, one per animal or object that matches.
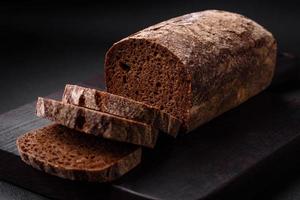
(109, 172)
(97, 123)
(121, 106)
(227, 58)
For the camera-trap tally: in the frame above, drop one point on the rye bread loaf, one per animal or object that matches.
(63, 152)
(195, 66)
(97, 123)
(121, 106)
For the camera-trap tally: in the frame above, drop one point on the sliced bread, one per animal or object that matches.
(97, 123)
(121, 106)
(63, 152)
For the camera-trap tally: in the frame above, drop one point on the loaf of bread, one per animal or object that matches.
(63, 152)
(121, 106)
(195, 67)
(97, 123)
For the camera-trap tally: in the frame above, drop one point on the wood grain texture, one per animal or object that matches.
(21, 120)
(220, 155)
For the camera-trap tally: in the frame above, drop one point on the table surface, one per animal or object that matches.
(45, 48)
(232, 150)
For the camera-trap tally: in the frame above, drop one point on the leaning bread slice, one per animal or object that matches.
(121, 106)
(97, 123)
(62, 152)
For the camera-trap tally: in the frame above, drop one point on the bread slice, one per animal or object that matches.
(97, 123)
(121, 106)
(63, 152)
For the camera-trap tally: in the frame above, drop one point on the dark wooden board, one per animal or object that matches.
(217, 157)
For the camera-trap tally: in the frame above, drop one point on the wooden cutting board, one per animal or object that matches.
(218, 158)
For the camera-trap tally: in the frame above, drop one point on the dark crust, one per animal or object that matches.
(121, 106)
(97, 123)
(228, 58)
(109, 173)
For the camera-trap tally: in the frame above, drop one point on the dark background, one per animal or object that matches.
(45, 45)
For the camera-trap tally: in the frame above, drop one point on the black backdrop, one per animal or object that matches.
(47, 44)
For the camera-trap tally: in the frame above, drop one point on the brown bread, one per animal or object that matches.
(121, 106)
(97, 123)
(195, 67)
(63, 152)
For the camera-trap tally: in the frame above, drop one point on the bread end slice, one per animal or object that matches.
(62, 152)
